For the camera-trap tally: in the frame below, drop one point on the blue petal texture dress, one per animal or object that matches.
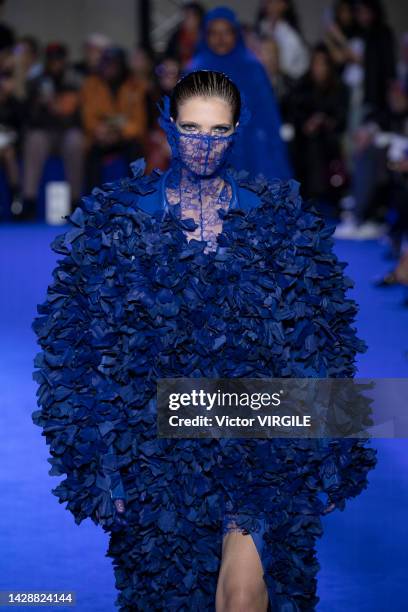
(132, 300)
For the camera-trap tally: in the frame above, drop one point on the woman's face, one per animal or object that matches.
(140, 62)
(205, 126)
(191, 19)
(344, 14)
(276, 9)
(221, 36)
(320, 68)
(269, 55)
(364, 15)
(205, 115)
(168, 73)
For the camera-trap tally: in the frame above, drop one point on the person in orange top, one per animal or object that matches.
(114, 113)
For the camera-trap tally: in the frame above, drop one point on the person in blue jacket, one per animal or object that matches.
(198, 271)
(222, 48)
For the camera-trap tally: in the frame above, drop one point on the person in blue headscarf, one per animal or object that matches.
(222, 48)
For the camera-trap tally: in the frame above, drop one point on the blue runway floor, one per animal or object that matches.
(364, 552)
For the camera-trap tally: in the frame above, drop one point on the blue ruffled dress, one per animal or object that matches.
(131, 301)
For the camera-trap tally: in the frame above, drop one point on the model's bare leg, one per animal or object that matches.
(241, 587)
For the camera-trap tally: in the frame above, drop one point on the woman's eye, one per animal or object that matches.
(221, 129)
(188, 127)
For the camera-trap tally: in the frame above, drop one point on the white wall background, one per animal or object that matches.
(71, 20)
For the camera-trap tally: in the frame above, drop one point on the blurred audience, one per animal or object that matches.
(52, 124)
(402, 67)
(379, 58)
(93, 48)
(183, 42)
(341, 29)
(319, 112)
(282, 85)
(7, 36)
(114, 113)
(339, 108)
(277, 19)
(11, 117)
(27, 64)
(368, 198)
(158, 152)
(344, 41)
(399, 228)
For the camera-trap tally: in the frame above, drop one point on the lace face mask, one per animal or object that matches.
(203, 155)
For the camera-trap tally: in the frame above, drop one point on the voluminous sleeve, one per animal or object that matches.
(317, 319)
(82, 410)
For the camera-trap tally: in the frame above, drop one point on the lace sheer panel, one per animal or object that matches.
(201, 200)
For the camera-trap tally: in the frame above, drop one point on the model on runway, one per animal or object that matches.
(196, 272)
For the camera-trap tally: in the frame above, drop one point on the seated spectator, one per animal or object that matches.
(27, 64)
(10, 128)
(7, 36)
(340, 31)
(114, 113)
(379, 60)
(141, 66)
(402, 68)
(183, 42)
(277, 19)
(251, 39)
(370, 173)
(92, 50)
(52, 125)
(319, 111)
(375, 186)
(158, 153)
(282, 84)
(344, 39)
(399, 274)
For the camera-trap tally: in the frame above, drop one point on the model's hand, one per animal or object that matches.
(120, 520)
(120, 505)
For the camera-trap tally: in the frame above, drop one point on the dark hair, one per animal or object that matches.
(118, 56)
(32, 43)
(322, 49)
(291, 15)
(206, 83)
(56, 50)
(195, 7)
(350, 29)
(377, 8)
